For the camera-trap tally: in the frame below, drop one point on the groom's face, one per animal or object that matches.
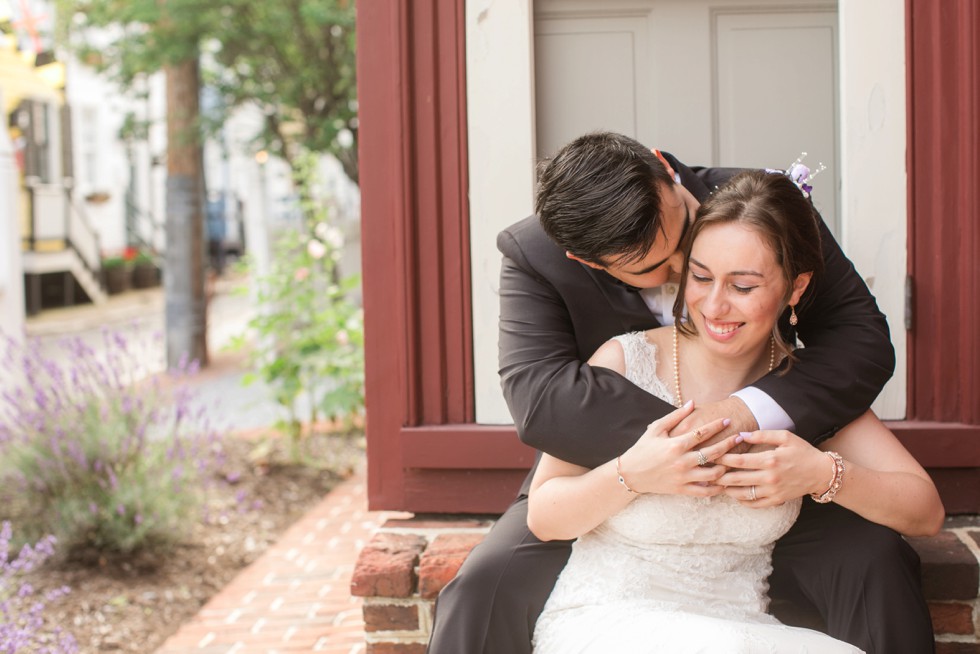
(664, 260)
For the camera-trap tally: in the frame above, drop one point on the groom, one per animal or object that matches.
(597, 261)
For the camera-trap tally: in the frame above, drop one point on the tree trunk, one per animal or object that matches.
(184, 278)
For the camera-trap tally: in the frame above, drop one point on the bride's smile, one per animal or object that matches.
(720, 328)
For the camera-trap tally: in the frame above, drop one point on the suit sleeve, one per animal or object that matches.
(561, 405)
(847, 355)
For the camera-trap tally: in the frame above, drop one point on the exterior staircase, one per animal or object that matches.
(63, 261)
(60, 240)
(401, 570)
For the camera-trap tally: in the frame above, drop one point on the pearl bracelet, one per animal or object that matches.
(836, 481)
(622, 479)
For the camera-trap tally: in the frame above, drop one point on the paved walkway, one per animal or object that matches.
(296, 597)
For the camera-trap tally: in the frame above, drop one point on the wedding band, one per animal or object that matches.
(702, 459)
(752, 497)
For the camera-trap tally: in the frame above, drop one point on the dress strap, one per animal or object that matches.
(641, 365)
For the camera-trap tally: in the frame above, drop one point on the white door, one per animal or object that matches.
(723, 83)
(712, 81)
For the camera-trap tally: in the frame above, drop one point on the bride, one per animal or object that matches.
(655, 572)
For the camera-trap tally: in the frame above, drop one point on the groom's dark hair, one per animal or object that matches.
(598, 197)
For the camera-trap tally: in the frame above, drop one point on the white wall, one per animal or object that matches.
(500, 117)
(99, 108)
(502, 148)
(873, 173)
(11, 273)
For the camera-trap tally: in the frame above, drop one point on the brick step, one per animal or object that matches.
(951, 583)
(401, 570)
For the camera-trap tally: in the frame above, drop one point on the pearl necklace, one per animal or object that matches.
(677, 366)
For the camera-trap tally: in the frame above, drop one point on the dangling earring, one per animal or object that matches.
(792, 315)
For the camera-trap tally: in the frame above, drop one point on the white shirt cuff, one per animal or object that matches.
(768, 414)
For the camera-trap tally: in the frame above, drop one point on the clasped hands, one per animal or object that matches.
(696, 452)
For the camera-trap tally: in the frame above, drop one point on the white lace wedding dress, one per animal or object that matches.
(673, 574)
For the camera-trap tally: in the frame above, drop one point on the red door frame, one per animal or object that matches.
(424, 452)
(943, 157)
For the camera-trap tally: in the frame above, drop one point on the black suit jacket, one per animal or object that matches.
(555, 312)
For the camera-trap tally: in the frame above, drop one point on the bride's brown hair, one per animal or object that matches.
(776, 209)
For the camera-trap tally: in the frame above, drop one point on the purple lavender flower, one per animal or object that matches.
(96, 454)
(22, 627)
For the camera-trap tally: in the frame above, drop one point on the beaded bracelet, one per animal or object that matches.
(835, 482)
(622, 479)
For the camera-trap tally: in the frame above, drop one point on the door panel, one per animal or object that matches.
(609, 52)
(711, 81)
(776, 94)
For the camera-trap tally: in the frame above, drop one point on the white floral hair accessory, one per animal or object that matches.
(800, 174)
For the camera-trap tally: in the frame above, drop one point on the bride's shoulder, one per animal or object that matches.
(617, 352)
(661, 337)
(610, 354)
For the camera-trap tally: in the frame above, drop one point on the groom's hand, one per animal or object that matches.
(732, 408)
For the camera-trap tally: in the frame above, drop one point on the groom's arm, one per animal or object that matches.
(847, 357)
(560, 405)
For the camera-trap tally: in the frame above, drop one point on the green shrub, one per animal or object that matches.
(309, 331)
(144, 257)
(108, 263)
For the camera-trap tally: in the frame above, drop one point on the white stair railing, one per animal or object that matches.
(81, 237)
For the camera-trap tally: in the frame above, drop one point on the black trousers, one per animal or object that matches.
(862, 578)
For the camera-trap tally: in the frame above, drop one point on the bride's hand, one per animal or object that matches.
(781, 467)
(732, 408)
(658, 463)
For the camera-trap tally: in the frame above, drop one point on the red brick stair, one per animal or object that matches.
(401, 570)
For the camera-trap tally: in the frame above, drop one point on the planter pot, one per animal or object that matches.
(145, 275)
(97, 197)
(117, 279)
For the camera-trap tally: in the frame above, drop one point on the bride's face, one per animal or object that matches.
(735, 289)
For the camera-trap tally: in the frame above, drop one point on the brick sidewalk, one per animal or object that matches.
(296, 597)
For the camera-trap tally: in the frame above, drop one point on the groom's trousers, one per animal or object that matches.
(862, 578)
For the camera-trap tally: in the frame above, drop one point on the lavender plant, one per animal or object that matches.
(22, 627)
(95, 454)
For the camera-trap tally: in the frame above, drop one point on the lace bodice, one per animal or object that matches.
(667, 560)
(641, 365)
